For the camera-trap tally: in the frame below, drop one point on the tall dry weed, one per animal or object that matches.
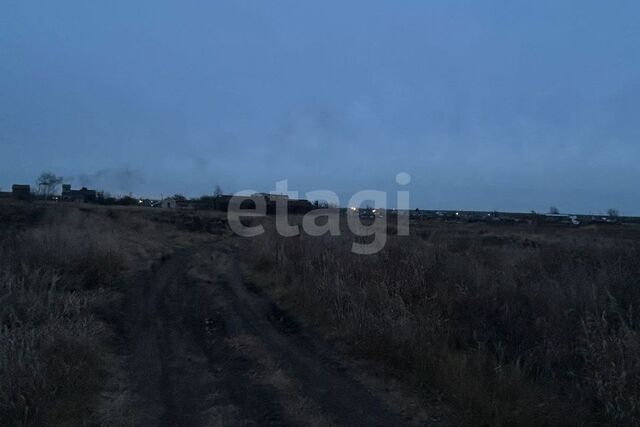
(512, 330)
(51, 345)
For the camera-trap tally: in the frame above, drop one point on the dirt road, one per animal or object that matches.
(204, 348)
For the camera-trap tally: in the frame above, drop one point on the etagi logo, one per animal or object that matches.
(326, 220)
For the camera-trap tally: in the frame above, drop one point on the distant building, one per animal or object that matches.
(603, 220)
(562, 219)
(272, 198)
(294, 206)
(84, 195)
(299, 206)
(173, 203)
(169, 203)
(21, 192)
(221, 203)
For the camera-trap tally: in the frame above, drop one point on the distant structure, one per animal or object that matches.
(221, 203)
(562, 219)
(300, 206)
(272, 198)
(83, 195)
(294, 206)
(169, 203)
(18, 192)
(21, 191)
(173, 203)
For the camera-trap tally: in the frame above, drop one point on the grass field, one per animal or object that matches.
(63, 270)
(514, 325)
(498, 325)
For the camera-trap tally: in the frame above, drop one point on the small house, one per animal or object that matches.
(173, 203)
(84, 195)
(21, 192)
(169, 203)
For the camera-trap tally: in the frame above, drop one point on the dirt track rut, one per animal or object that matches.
(203, 348)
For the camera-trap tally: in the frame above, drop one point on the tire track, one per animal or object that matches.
(207, 349)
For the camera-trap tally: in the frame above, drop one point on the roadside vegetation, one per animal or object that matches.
(53, 277)
(65, 273)
(513, 326)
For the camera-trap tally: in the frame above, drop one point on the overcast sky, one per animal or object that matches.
(508, 105)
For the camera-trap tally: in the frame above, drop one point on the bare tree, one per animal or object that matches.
(47, 183)
(218, 191)
(613, 213)
(553, 210)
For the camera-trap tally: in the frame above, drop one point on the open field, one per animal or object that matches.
(511, 325)
(135, 316)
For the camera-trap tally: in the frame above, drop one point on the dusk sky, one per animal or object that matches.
(505, 105)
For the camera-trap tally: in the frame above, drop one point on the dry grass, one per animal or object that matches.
(63, 268)
(303, 410)
(513, 328)
(52, 347)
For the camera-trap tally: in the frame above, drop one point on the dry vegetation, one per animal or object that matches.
(520, 326)
(63, 270)
(510, 326)
(52, 278)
